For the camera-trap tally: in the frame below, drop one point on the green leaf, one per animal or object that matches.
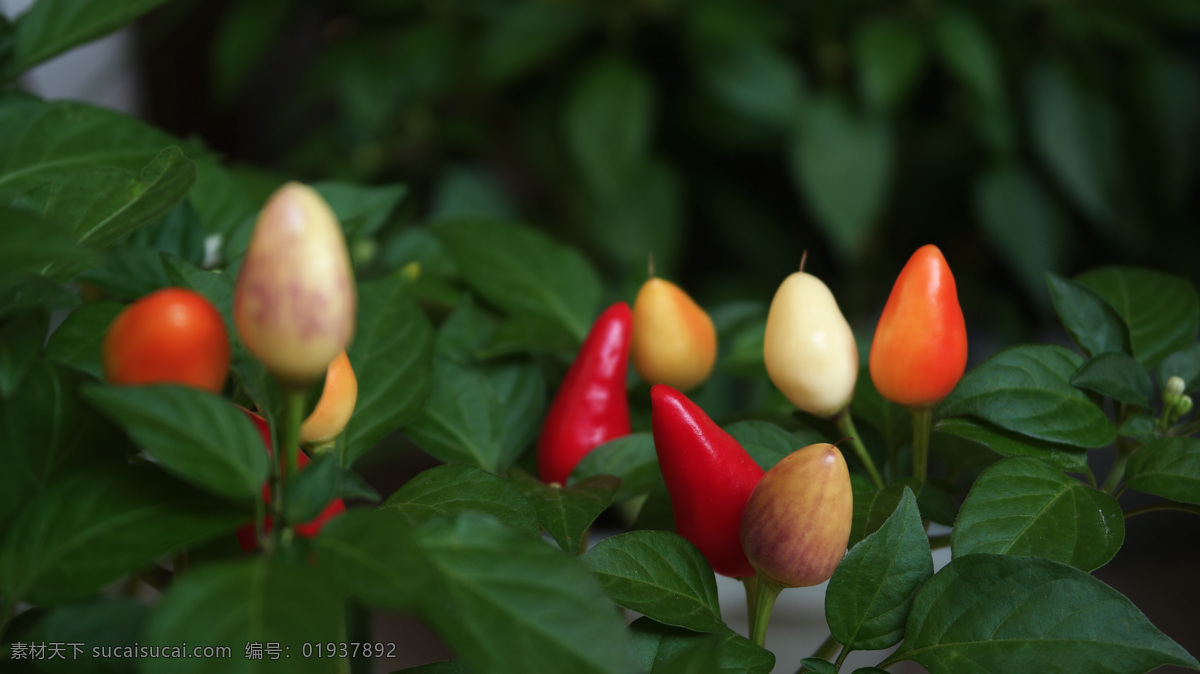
(128, 272)
(842, 163)
(1006, 443)
(311, 489)
(25, 290)
(767, 443)
(656, 644)
(998, 613)
(1141, 427)
(86, 530)
(890, 55)
(21, 339)
(872, 507)
(1116, 376)
(373, 555)
(46, 431)
(640, 221)
(179, 235)
(754, 78)
(1027, 390)
(361, 210)
(246, 33)
(567, 512)
(869, 595)
(227, 199)
(660, 575)
(51, 27)
(521, 388)
(1161, 310)
(469, 192)
(104, 205)
(110, 622)
(462, 421)
(631, 458)
(1185, 364)
(1023, 222)
(233, 604)
(43, 140)
(1168, 467)
(523, 271)
(522, 334)
(79, 339)
(1021, 506)
(198, 436)
(608, 120)
(393, 358)
(818, 665)
(500, 588)
(525, 36)
(893, 421)
(1091, 322)
(968, 51)
(464, 332)
(30, 243)
(454, 488)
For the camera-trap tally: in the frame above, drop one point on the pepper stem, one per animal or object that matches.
(845, 424)
(922, 423)
(766, 592)
(750, 585)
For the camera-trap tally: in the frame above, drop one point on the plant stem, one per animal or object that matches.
(294, 399)
(922, 422)
(1164, 505)
(826, 649)
(750, 585)
(845, 424)
(842, 657)
(766, 592)
(1117, 472)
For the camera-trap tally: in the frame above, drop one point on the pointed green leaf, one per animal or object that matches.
(1027, 390)
(996, 613)
(372, 555)
(656, 645)
(869, 595)
(819, 666)
(234, 604)
(107, 623)
(1168, 467)
(86, 530)
(455, 488)
(567, 512)
(872, 507)
(1116, 376)
(359, 209)
(464, 332)
(462, 421)
(1092, 323)
(767, 443)
(631, 458)
(51, 27)
(79, 339)
(196, 435)
(1021, 506)
(660, 575)
(521, 389)
(29, 242)
(1024, 223)
(1006, 443)
(1161, 310)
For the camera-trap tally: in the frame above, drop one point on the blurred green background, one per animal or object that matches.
(728, 136)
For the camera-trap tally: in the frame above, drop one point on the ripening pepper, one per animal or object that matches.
(796, 524)
(591, 406)
(674, 341)
(245, 533)
(708, 475)
(920, 348)
(295, 302)
(808, 347)
(335, 406)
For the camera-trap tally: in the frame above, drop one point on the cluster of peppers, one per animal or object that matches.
(789, 526)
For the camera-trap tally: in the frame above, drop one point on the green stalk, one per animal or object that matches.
(750, 585)
(1166, 505)
(842, 657)
(294, 400)
(922, 421)
(766, 594)
(845, 424)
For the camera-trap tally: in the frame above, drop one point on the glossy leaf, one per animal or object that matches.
(454, 488)
(892, 420)
(198, 436)
(233, 604)
(869, 595)
(631, 458)
(521, 389)
(51, 27)
(818, 665)
(462, 421)
(999, 613)
(890, 55)
(872, 507)
(1169, 467)
(361, 210)
(1161, 310)
(656, 645)
(88, 529)
(373, 555)
(1092, 323)
(1116, 376)
(464, 332)
(1027, 390)
(567, 512)
(392, 355)
(1006, 443)
(1021, 506)
(842, 163)
(660, 575)
(608, 121)
(1184, 364)
(523, 271)
(1141, 427)
(767, 443)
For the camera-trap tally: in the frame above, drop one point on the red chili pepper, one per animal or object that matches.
(920, 347)
(245, 534)
(709, 476)
(591, 407)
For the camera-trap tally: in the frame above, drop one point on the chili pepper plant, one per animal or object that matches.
(573, 509)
